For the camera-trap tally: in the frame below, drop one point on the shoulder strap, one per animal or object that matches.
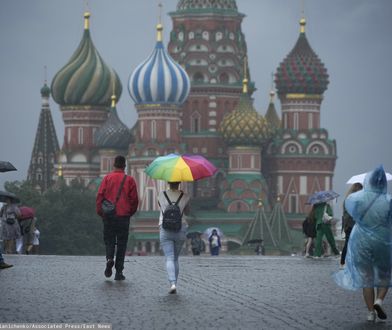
(167, 197)
(179, 198)
(370, 205)
(119, 189)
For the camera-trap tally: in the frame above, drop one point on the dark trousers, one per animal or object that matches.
(115, 232)
(344, 251)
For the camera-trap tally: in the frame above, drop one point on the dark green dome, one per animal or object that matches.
(45, 91)
(85, 79)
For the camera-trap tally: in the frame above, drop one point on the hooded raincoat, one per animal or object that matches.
(369, 255)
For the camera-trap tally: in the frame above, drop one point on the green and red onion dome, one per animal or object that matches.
(302, 71)
(192, 5)
(86, 79)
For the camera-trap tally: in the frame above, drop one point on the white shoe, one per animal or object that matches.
(371, 317)
(173, 289)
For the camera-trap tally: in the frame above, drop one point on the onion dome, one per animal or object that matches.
(244, 126)
(301, 71)
(45, 90)
(85, 79)
(194, 5)
(159, 79)
(271, 116)
(113, 134)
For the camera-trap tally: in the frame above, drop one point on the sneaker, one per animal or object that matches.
(371, 317)
(307, 255)
(119, 276)
(108, 269)
(4, 265)
(173, 289)
(341, 266)
(380, 312)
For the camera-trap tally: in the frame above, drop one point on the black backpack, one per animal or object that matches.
(172, 216)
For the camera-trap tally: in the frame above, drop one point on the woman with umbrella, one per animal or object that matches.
(174, 169)
(322, 213)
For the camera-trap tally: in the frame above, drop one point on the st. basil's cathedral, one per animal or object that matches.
(194, 96)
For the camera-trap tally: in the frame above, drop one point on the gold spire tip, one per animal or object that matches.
(272, 95)
(302, 23)
(159, 32)
(245, 80)
(86, 20)
(113, 101)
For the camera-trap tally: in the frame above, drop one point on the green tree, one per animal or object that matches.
(66, 218)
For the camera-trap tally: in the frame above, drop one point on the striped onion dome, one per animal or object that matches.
(301, 71)
(85, 79)
(113, 134)
(194, 5)
(244, 126)
(159, 79)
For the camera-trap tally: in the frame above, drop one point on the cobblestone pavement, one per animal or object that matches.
(224, 292)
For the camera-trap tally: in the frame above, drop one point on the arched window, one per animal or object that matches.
(195, 122)
(224, 78)
(198, 77)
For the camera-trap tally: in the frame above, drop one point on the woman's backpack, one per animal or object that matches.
(172, 215)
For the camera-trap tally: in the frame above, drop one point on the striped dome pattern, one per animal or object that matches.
(86, 79)
(159, 79)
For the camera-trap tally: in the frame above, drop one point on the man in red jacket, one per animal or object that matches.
(116, 228)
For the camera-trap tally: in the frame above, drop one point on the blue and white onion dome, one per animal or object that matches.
(159, 79)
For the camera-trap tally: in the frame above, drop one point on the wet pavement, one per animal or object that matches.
(224, 292)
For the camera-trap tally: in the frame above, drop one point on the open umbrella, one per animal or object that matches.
(4, 195)
(254, 241)
(322, 197)
(177, 168)
(6, 166)
(360, 178)
(209, 230)
(193, 234)
(26, 212)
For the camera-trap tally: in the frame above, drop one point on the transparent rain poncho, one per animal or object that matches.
(369, 254)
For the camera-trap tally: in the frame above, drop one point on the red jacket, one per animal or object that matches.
(128, 201)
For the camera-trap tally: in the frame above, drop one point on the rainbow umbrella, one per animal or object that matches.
(176, 168)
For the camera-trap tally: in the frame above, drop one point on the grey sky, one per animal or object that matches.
(352, 38)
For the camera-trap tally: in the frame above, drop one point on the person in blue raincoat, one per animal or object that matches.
(369, 254)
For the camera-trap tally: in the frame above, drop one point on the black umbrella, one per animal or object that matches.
(4, 195)
(6, 166)
(193, 234)
(254, 241)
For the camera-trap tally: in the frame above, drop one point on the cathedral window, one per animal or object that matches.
(310, 120)
(198, 77)
(296, 121)
(224, 78)
(181, 36)
(69, 135)
(191, 35)
(150, 199)
(293, 203)
(218, 36)
(195, 122)
(206, 35)
(167, 129)
(153, 130)
(80, 135)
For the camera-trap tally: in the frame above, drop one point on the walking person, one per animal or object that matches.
(172, 241)
(348, 223)
(120, 189)
(215, 242)
(9, 215)
(323, 217)
(369, 252)
(309, 229)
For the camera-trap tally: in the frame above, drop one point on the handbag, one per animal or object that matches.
(327, 219)
(109, 208)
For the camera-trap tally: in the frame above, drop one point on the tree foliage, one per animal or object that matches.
(66, 218)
